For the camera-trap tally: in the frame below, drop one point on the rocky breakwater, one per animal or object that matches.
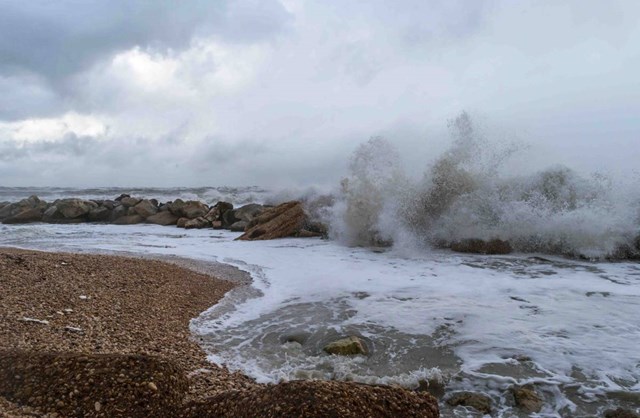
(257, 221)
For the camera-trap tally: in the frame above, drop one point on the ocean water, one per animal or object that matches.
(479, 323)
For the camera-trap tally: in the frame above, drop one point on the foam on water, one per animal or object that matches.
(481, 323)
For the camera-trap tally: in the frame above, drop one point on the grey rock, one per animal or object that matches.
(239, 226)
(130, 201)
(129, 220)
(26, 216)
(248, 212)
(118, 212)
(74, 208)
(229, 218)
(163, 218)
(99, 214)
(473, 400)
(145, 208)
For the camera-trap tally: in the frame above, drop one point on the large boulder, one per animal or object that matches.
(74, 208)
(118, 212)
(13, 209)
(216, 212)
(285, 220)
(479, 246)
(194, 209)
(175, 207)
(145, 208)
(197, 223)
(347, 347)
(129, 220)
(248, 212)
(164, 218)
(229, 218)
(26, 216)
(239, 226)
(99, 214)
(130, 201)
(316, 399)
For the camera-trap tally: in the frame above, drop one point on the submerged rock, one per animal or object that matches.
(474, 400)
(346, 347)
(285, 220)
(620, 413)
(479, 246)
(527, 399)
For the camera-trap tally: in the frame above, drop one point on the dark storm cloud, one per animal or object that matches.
(57, 38)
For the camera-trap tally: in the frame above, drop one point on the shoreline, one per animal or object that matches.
(97, 308)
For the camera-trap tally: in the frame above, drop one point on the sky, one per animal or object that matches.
(279, 93)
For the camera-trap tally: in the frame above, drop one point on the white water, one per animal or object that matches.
(467, 319)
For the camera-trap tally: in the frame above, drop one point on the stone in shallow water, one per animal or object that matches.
(476, 401)
(527, 399)
(346, 347)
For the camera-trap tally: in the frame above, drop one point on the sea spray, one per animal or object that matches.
(466, 194)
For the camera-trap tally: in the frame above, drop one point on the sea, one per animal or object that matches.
(561, 313)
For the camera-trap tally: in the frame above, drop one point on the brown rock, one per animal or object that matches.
(346, 347)
(145, 208)
(216, 224)
(619, 413)
(163, 218)
(478, 246)
(26, 216)
(194, 209)
(129, 202)
(285, 220)
(477, 401)
(129, 220)
(182, 222)
(239, 226)
(175, 207)
(527, 399)
(216, 212)
(197, 223)
(74, 208)
(99, 214)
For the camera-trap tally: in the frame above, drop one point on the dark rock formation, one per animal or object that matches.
(478, 246)
(285, 220)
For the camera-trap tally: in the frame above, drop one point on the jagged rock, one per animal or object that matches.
(129, 220)
(130, 202)
(197, 223)
(477, 401)
(194, 209)
(163, 218)
(239, 226)
(26, 216)
(74, 208)
(12, 209)
(285, 220)
(229, 218)
(182, 222)
(175, 207)
(145, 208)
(99, 214)
(216, 212)
(346, 347)
(527, 399)
(478, 246)
(248, 212)
(620, 413)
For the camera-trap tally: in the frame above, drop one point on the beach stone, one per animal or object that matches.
(74, 208)
(145, 208)
(129, 220)
(197, 223)
(194, 209)
(129, 202)
(478, 246)
(527, 399)
(116, 386)
(285, 220)
(248, 212)
(474, 400)
(26, 216)
(620, 413)
(99, 214)
(163, 218)
(316, 399)
(346, 347)
(239, 226)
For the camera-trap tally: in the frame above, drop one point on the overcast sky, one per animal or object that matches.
(279, 93)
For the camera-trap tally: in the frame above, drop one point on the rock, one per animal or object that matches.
(478, 246)
(308, 234)
(239, 226)
(74, 208)
(99, 214)
(620, 413)
(163, 218)
(346, 347)
(182, 222)
(152, 386)
(527, 399)
(317, 228)
(285, 220)
(12, 209)
(248, 212)
(118, 212)
(194, 209)
(131, 211)
(229, 218)
(129, 220)
(122, 196)
(216, 224)
(129, 202)
(109, 204)
(477, 401)
(26, 216)
(197, 223)
(145, 208)
(315, 399)
(433, 386)
(175, 207)
(216, 212)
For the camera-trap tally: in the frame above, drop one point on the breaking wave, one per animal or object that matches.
(465, 194)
